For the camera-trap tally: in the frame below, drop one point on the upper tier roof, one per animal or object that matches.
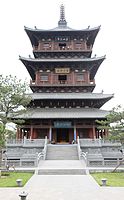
(37, 34)
(90, 64)
(61, 30)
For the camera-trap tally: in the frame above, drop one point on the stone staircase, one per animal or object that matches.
(61, 160)
(62, 152)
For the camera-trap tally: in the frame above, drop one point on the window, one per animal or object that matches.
(62, 46)
(78, 45)
(44, 77)
(62, 77)
(46, 45)
(80, 77)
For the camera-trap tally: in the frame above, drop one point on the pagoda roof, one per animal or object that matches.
(38, 96)
(37, 34)
(91, 64)
(64, 113)
(97, 99)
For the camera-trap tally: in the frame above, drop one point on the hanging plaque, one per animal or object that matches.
(62, 124)
(62, 70)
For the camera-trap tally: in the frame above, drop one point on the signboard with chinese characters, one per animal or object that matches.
(62, 124)
(62, 70)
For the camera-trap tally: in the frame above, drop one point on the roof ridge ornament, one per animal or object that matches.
(62, 22)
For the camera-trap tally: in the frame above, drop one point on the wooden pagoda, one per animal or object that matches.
(62, 72)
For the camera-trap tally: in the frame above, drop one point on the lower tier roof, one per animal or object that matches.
(63, 113)
(70, 95)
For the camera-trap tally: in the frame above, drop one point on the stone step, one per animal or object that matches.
(61, 158)
(62, 152)
(61, 172)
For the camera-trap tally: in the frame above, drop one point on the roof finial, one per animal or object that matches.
(62, 22)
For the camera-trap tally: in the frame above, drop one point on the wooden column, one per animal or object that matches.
(31, 132)
(75, 134)
(22, 133)
(18, 133)
(50, 133)
(94, 133)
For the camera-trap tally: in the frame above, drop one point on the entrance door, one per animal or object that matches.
(62, 135)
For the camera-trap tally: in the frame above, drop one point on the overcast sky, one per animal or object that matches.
(44, 14)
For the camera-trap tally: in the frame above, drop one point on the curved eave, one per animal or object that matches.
(98, 99)
(64, 113)
(39, 54)
(36, 34)
(91, 96)
(34, 64)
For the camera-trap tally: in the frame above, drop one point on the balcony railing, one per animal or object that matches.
(54, 49)
(44, 83)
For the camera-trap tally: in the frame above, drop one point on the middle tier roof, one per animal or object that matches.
(90, 99)
(91, 64)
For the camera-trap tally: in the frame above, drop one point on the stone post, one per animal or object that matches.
(23, 195)
(19, 182)
(104, 181)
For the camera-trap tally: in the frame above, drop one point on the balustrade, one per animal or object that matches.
(26, 142)
(62, 83)
(57, 48)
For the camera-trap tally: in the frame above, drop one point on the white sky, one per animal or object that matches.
(16, 14)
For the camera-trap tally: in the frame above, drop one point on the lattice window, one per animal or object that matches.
(80, 77)
(44, 77)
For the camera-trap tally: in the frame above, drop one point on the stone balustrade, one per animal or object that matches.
(25, 142)
(98, 142)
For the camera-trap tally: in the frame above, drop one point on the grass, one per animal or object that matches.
(115, 179)
(8, 179)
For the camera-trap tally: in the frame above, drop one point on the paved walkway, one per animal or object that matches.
(63, 187)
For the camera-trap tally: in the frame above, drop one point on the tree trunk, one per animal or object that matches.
(0, 157)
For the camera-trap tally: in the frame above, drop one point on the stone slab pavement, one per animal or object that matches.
(63, 187)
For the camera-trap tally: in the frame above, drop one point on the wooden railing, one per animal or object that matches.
(88, 49)
(33, 83)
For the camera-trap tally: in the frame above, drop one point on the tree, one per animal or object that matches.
(114, 123)
(13, 101)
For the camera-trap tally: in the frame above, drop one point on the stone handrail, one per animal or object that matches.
(42, 154)
(81, 154)
(78, 148)
(45, 148)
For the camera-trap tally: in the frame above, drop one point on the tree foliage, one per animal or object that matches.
(13, 99)
(114, 123)
(13, 96)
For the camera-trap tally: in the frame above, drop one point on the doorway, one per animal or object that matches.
(62, 135)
